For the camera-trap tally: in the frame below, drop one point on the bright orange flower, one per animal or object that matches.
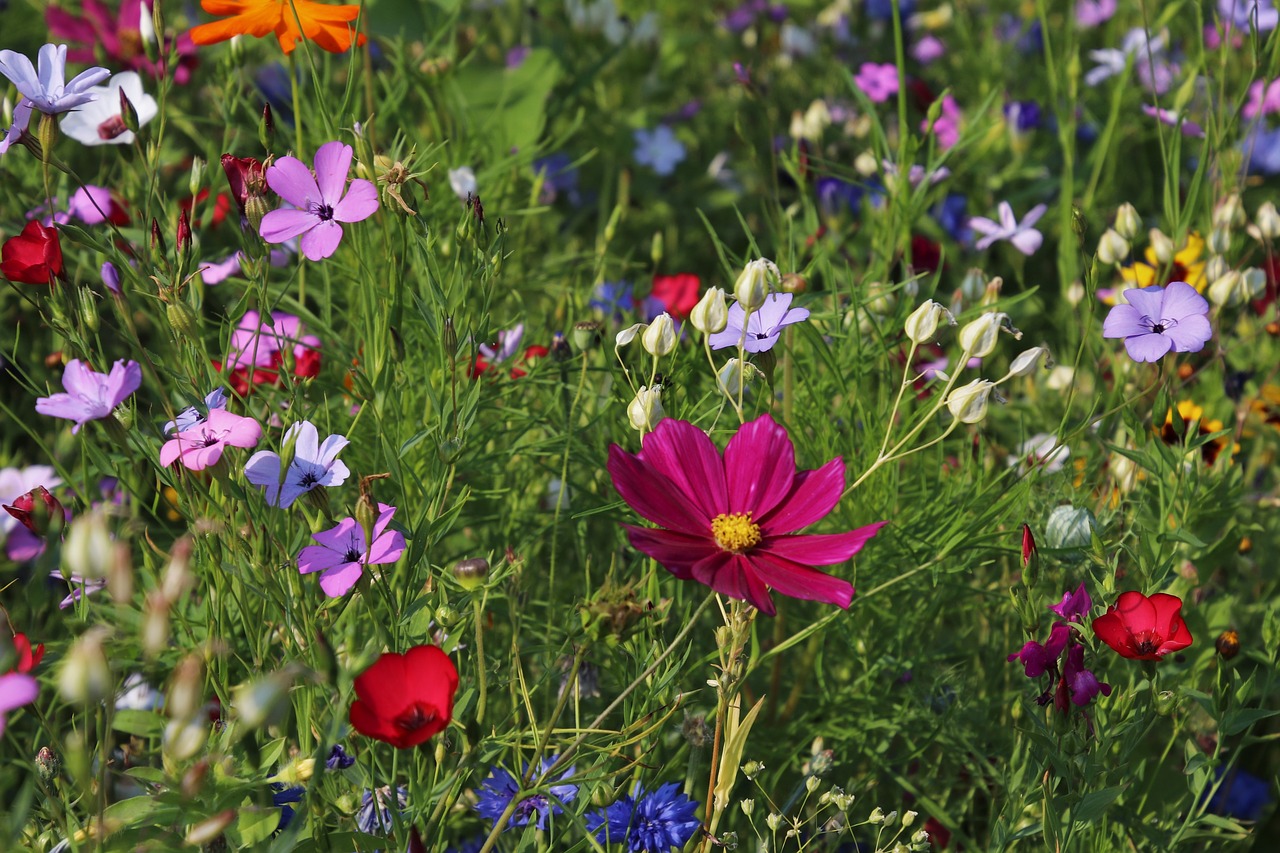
(327, 26)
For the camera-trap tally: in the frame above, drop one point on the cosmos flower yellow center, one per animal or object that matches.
(735, 531)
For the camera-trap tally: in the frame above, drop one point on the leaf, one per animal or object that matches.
(1093, 806)
(1237, 721)
(135, 810)
(140, 723)
(509, 103)
(735, 742)
(255, 825)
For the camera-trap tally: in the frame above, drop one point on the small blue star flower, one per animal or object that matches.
(654, 822)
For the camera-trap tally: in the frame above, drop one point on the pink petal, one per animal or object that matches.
(686, 456)
(652, 495)
(172, 450)
(813, 495)
(733, 575)
(796, 581)
(333, 162)
(387, 548)
(820, 550)
(316, 557)
(338, 581)
(292, 181)
(760, 466)
(322, 241)
(675, 552)
(286, 223)
(360, 202)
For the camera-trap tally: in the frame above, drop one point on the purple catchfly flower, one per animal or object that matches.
(343, 552)
(47, 90)
(201, 445)
(760, 332)
(1075, 606)
(320, 201)
(1159, 320)
(658, 149)
(91, 396)
(877, 81)
(647, 821)
(16, 689)
(313, 465)
(501, 787)
(1024, 238)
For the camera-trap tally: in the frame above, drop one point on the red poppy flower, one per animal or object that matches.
(32, 257)
(730, 522)
(405, 699)
(677, 293)
(1142, 628)
(28, 657)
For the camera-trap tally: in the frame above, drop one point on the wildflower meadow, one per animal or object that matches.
(604, 425)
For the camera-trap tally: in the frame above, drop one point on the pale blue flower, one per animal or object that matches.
(45, 90)
(659, 149)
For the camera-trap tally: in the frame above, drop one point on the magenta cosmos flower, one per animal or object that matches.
(319, 202)
(343, 552)
(1159, 320)
(729, 522)
(202, 445)
(91, 395)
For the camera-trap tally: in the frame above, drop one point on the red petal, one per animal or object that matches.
(820, 550)
(797, 581)
(1136, 612)
(687, 457)
(652, 495)
(760, 467)
(433, 678)
(1110, 629)
(812, 497)
(1168, 614)
(676, 552)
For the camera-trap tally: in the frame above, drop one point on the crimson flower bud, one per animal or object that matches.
(128, 114)
(267, 128)
(157, 240)
(38, 511)
(184, 233)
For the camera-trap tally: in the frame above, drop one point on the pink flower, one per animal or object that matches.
(121, 39)
(947, 126)
(319, 202)
(343, 552)
(91, 396)
(877, 81)
(928, 49)
(1169, 117)
(729, 522)
(202, 445)
(1264, 99)
(1024, 238)
(16, 690)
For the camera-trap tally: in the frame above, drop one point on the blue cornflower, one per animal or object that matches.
(952, 214)
(654, 822)
(1262, 147)
(338, 758)
(1242, 795)
(1023, 116)
(283, 798)
(472, 846)
(498, 790)
(613, 298)
(658, 149)
(374, 815)
(191, 417)
(882, 10)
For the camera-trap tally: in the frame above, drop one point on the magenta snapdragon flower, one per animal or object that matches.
(343, 552)
(201, 446)
(1159, 320)
(320, 201)
(91, 396)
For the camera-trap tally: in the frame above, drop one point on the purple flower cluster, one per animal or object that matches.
(1069, 681)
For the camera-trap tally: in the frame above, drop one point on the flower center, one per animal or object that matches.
(415, 718)
(111, 128)
(324, 211)
(1146, 643)
(735, 531)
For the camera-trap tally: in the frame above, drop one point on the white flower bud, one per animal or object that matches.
(262, 700)
(1112, 248)
(1215, 268)
(85, 676)
(812, 783)
(1255, 283)
(1075, 293)
(774, 820)
(88, 551)
(748, 806)
(877, 815)
(891, 817)
(184, 738)
(973, 285)
(1268, 220)
(908, 818)
(968, 403)
(186, 695)
(1061, 378)
(628, 335)
(1161, 246)
(645, 410)
(1127, 221)
(711, 314)
(732, 378)
(866, 164)
(1229, 212)
(923, 322)
(753, 283)
(1219, 241)
(978, 337)
(921, 836)
(1227, 290)
(660, 338)
(1027, 361)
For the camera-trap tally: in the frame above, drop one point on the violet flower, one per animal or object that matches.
(762, 329)
(1075, 606)
(1093, 13)
(1264, 99)
(201, 445)
(91, 396)
(1082, 684)
(1159, 320)
(878, 82)
(120, 37)
(80, 587)
(343, 552)
(46, 91)
(261, 343)
(1147, 55)
(1243, 14)
(1037, 658)
(507, 346)
(1169, 117)
(313, 465)
(658, 149)
(191, 417)
(946, 128)
(1024, 238)
(16, 689)
(320, 201)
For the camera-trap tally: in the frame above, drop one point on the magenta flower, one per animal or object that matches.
(320, 202)
(343, 552)
(1093, 13)
(946, 129)
(1039, 658)
(878, 82)
(91, 396)
(80, 587)
(262, 343)
(729, 522)
(764, 326)
(1024, 238)
(1169, 117)
(1264, 99)
(1159, 320)
(16, 689)
(1074, 605)
(202, 445)
(120, 37)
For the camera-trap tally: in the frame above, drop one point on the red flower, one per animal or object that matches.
(32, 257)
(245, 177)
(28, 512)
(28, 657)
(188, 205)
(1142, 628)
(405, 699)
(677, 293)
(729, 522)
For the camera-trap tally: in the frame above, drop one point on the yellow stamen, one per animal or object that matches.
(735, 531)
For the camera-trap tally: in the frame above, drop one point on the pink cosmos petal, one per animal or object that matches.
(333, 162)
(1147, 300)
(1190, 334)
(675, 552)
(337, 582)
(813, 495)
(652, 495)
(821, 549)
(286, 223)
(760, 466)
(1151, 347)
(1181, 300)
(685, 455)
(360, 202)
(290, 178)
(734, 576)
(321, 241)
(1027, 242)
(798, 581)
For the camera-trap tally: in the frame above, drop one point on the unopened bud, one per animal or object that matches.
(922, 324)
(748, 806)
(184, 738)
(773, 821)
(645, 410)
(157, 240)
(471, 574)
(184, 233)
(876, 816)
(85, 677)
(752, 769)
(177, 574)
(88, 309)
(208, 830)
(1229, 212)
(47, 763)
(754, 282)
(1113, 247)
(968, 403)
(266, 129)
(711, 314)
(1219, 241)
(978, 337)
(659, 338)
(88, 548)
(1128, 222)
(186, 692)
(1228, 644)
(197, 174)
(812, 784)
(1161, 246)
(1227, 290)
(262, 700)
(120, 574)
(1268, 220)
(973, 285)
(1028, 360)
(731, 377)
(908, 818)
(182, 320)
(1255, 283)
(128, 113)
(155, 625)
(449, 338)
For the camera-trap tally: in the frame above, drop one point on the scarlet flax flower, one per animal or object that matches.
(32, 257)
(328, 26)
(1141, 627)
(729, 522)
(404, 699)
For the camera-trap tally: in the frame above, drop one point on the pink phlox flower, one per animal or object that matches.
(507, 346)
(47, 90)
(1074, 605)
(877, 81)
(1025, 238)
(766, 323)
(916, 175)
(201, 446)
(121, 37)
(320, 201)
(16, 689)
(946, 128)
(91, 395)
(1264, 99)
(313, 465)
(927, 49)
(343, 552)
(1093, 13)
(80, 587)
(1158, 320)
(730, 521)
(1169, 117)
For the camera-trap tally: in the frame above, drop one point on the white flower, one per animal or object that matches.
(100, 121)
(1043, 451)
(463, 181)
(645, 410)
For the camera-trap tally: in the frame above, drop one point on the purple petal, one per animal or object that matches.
(1033, 215)
(306, 441)
(285, 223)
(387, 548)
(360, 202)
(1190, 334)
(1028, 241)
(263, 469)
(1180, 301)
(1147, 300)
(314, 558)
(292, 181)
(322, 241)
(337, 582)
(1151, 347)
(124, 379)
(983, 225)
(1125, 321)
(333, 162)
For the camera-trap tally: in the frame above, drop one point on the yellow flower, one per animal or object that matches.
(1187, 266)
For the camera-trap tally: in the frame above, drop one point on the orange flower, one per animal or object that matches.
(327, 26)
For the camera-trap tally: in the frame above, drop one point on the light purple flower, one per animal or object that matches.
(190, 417)
(1024, 238)
(877, 81)
(659, 149)
(1075, 606)
(927, 49)
(343, 552)
(1158, 320)
(216, 272)
(91, 205)
(507, 346)
(1240, 13)
(46, 90)
(1092, 13)
(319, 202)
(1264, 99)
(80, 587)
(763, 327)
(915, 175)
(1169, 117)
(91, 396)
(201, 446)
(313, 465)
(1146, 54)
(16, 689)
(111, 278)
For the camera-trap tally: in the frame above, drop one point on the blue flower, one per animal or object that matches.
(559, 178)
(501, 787)
(654, 822)
(313, 465)
(1263, 150)
(612, 298)
(472, 846)
(659, 149)
(374, 814)
(951, 214)
(283, 798)
(836, 196)
(191, 417)
(882, 10)
(338, 758)
(1242, 795)
(1023, 116)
